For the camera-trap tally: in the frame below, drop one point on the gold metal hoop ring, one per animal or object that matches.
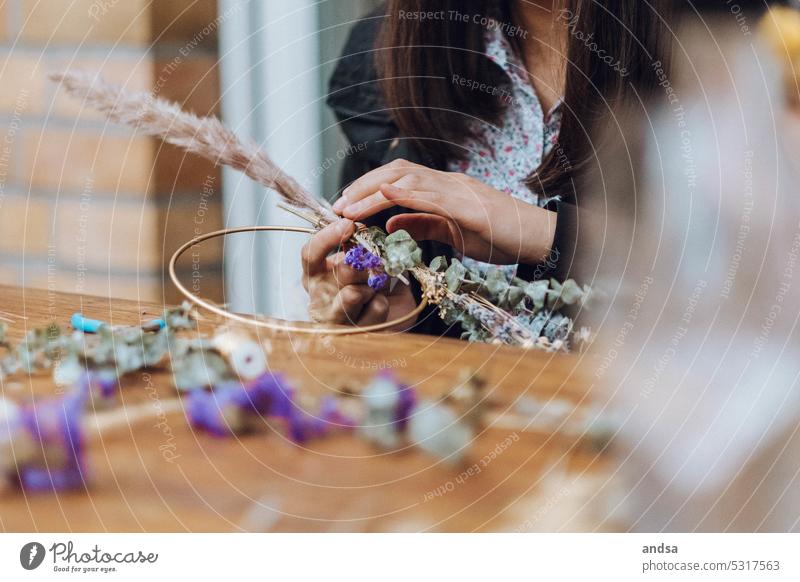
(273, 323)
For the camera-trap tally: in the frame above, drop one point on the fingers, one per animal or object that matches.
(368, 184)
(425, 227)
(337, 274)
(316, 250)
(376, 202)
(344, 275)
(394, 195)
(367, 207)
(348, 304)
(432, 202)
(376, 311)
(330, 304)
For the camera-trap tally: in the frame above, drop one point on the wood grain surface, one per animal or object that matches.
(152, 472)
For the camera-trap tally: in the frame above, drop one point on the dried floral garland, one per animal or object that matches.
(228, 390)
(489, 309)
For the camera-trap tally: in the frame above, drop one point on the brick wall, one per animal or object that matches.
(88, 207)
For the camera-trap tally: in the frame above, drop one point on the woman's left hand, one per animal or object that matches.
(455, 209)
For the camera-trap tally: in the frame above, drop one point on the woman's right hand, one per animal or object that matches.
(455, 209)
(339, 294)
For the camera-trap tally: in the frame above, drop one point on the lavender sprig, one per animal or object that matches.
(56, 427)
(233, 408)
(361, 259)
(378, 281)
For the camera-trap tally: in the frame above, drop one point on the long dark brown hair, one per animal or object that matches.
(418, 58)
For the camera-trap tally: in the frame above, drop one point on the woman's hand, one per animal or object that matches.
(454, 209)
(340, 294)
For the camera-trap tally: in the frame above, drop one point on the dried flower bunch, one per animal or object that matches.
(489, 308)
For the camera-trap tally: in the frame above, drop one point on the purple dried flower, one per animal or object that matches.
(354, 256)
(56, 426)
(406, 402)
(269, 395)
(372, 262)
(332, 414)
(378, 281)
(225, 410)
(106, 387)
(330, 417)
(228, 408)
(360, 259)
(218, 412)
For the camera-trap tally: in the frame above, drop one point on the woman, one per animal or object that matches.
(478, 120)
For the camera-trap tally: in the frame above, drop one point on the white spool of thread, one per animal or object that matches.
(380, 401)
(437, 430)
(245, 357)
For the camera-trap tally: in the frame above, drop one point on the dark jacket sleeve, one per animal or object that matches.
(561, 259)
(355, 97)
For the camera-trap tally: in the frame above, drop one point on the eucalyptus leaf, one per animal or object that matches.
(554, 295)
(496, 283)
(200, 368)
(571, 293)
(568, 293)
(401, 253)
(537, 293)
(156, 347)
(454, 275)
(399, 236)
(512, 297)
(438, 264)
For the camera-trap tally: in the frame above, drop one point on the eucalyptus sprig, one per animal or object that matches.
(112, 352)
(489, 307)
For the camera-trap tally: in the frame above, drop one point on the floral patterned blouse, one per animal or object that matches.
(508, 154)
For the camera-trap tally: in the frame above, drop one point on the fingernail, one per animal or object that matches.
(339, 204)
(344, 225)
(354, 209)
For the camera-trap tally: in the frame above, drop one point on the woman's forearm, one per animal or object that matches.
(530, 231)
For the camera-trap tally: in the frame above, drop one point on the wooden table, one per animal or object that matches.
(154, 473)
